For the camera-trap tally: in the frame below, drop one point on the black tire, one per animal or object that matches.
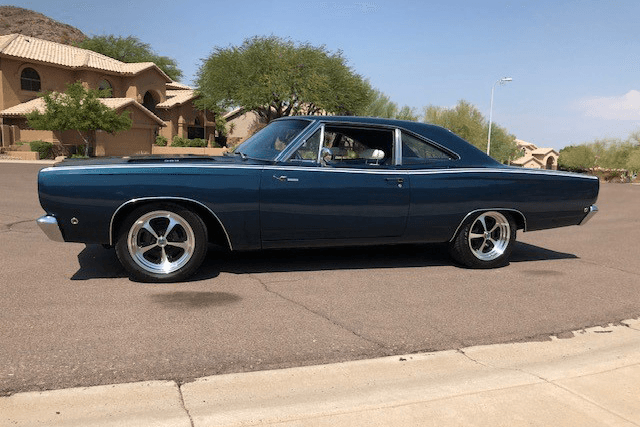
(162, 242)
(485, 241)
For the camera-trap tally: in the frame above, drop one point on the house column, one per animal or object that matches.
(182, 127)
(15, 134)
(7, 137)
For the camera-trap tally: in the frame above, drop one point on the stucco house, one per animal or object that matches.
(536, 158)
(157, 105)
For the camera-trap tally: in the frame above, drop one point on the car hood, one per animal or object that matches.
(157, 159)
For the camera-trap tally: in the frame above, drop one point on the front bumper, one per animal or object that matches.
(49, 224)
(590, 211)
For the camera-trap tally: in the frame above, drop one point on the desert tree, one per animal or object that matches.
(466, 121)
(79, 109)
(276, 77)
(131, 49)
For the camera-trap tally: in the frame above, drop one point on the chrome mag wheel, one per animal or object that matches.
(161, 242)
(485, 241)
(489, 236)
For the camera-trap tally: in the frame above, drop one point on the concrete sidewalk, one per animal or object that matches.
(592, 379)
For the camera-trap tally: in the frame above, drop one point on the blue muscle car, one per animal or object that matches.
(308, 182)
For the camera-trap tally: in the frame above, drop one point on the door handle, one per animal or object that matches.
(283, 178)
(397, 180)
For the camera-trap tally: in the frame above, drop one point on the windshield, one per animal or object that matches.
(270, 141)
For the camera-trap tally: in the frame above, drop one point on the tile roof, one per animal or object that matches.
(177, 97)
(24, 108)
(31, 48)
(114, 103)
(521, 143)
(543, 151)
(526, 159)
(177, 86)
(235, 112)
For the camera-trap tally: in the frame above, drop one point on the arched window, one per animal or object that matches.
(149, 102)
(30, 80)
(104, 85)
(550, 163)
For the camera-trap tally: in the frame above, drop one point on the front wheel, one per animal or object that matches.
(486, 241)
(162, 242)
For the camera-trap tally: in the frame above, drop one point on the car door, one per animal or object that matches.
(350, 192)
(439, 195)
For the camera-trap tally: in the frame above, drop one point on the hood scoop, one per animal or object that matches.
(175, 159)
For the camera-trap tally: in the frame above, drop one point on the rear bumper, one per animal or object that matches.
(590, 211)
(49, 224)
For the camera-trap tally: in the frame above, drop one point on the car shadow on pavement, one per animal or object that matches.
(523, 252)
(96, 262)
(354, 258)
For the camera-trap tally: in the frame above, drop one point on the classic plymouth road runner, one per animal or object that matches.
(308, 182)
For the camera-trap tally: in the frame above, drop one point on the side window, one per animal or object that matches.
(359, 146)
(309, 149)
(416, 151)
(348, 146)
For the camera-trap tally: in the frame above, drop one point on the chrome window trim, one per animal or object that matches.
(160, 198)
(308, 133)
(397, 139)
(297, 141)
(397, 147)
(453, 156)
(320, 144)
(486, 210)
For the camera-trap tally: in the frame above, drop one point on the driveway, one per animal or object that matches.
(69, 316)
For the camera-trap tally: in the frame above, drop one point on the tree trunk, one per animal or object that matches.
(91, 143)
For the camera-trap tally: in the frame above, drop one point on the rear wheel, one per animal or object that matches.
(486, 241)
(162, 242)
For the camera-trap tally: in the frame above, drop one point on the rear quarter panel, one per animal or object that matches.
(440, 200)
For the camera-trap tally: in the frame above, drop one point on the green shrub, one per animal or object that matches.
(633, 162)
(161, 141)
(43, 148)
(179, 141)
(197, 142)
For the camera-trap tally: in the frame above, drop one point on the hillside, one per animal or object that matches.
(23, 21)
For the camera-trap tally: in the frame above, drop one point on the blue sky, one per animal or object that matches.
(575, 64)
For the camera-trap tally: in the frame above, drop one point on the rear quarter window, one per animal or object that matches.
(417, 151)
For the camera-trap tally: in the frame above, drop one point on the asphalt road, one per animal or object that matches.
(69, 316)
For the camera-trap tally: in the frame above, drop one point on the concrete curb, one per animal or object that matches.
(29, 162)
(592, 379)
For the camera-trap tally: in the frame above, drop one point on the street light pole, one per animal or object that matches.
(499, 82)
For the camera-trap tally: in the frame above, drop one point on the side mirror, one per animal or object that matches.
(326, 155)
